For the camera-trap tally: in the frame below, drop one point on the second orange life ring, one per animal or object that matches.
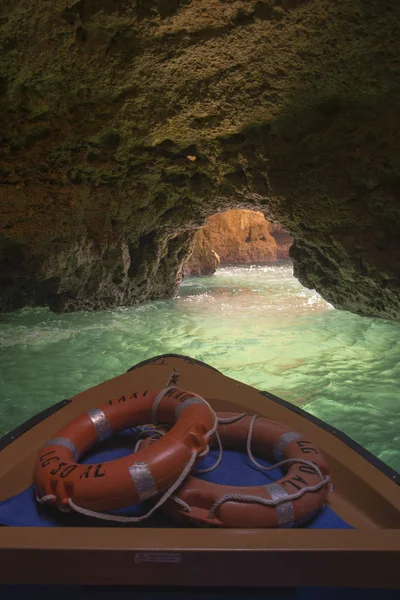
(61, 481)
(289, 502)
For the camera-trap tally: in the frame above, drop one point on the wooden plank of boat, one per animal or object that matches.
(367, 496)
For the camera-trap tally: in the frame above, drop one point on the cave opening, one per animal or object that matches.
(237, 236)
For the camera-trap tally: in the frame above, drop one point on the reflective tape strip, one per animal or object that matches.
(143, 480)
(186, 403)
(284, 440)
(157, 401)
(285, 510)
(100, 422)
(65, 443)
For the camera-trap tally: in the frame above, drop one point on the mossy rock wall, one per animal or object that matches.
(125, 124)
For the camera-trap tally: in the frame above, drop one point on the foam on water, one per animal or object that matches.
(255, 323)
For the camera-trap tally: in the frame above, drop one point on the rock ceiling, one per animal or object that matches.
(124, 125)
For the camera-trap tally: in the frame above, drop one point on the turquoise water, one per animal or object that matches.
(254, 323)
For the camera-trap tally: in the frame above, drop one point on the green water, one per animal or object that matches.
(256, 324)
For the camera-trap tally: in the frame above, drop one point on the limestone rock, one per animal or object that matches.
(283, 240)
(203, 259)
(125, 125)
(237, 236)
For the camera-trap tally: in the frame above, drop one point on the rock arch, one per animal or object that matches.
(125, 125)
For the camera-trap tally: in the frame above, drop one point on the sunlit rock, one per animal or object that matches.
(236, 236)
(203, 259)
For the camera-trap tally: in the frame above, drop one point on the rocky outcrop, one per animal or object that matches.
(203, 260)
(283, 240)
(125, 125)
(236, 236)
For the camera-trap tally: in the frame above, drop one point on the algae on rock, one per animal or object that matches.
(289, 108)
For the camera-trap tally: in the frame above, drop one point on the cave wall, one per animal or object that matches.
(236, 237)
(125, 124)
(202, 259)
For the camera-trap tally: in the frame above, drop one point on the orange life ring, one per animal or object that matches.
(206, 503)
(60, 479)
